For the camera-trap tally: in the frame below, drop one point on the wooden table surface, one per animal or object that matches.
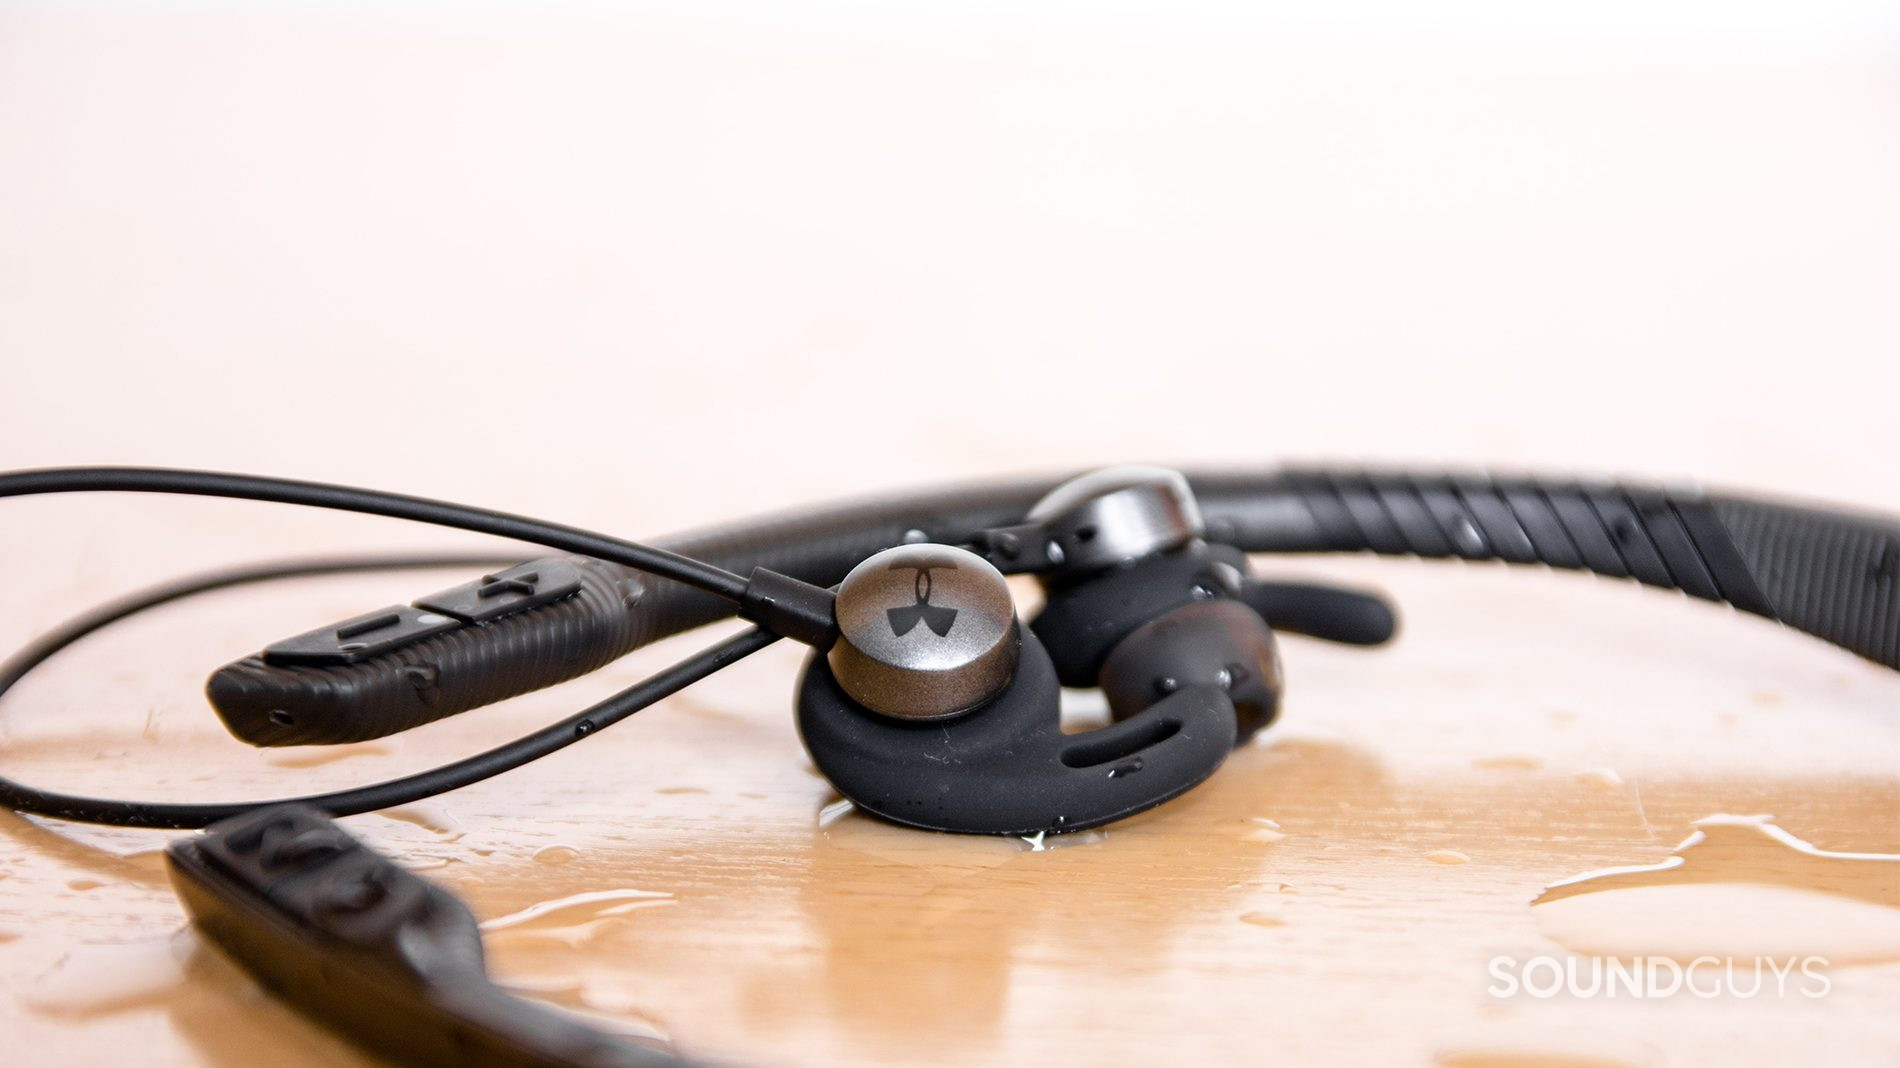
(646, 270)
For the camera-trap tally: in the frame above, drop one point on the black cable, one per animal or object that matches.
(409, 788)
(660, 562)
(1828, 572)
(696, 573)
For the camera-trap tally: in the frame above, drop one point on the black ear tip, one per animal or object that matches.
(1216, 643)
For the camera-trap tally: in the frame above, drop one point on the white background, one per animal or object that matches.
(732, 256)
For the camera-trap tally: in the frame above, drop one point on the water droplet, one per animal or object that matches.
(1044, 841)
(83, 884)
(681, 790)
(1749, 849)
(835, 811)
(1263, 830)
(556, 854)
(1447, 856)
(426, 861)
(576, 918)
(1263, 919)
(430, 816)
(1738, 886)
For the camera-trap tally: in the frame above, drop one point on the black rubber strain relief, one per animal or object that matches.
(787, 607)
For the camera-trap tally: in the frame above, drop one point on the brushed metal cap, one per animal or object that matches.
(1118, 514)
(924, 632)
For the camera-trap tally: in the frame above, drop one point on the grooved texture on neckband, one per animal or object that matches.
(1835, 576)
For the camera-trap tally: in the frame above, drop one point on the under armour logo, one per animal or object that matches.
(939, 619)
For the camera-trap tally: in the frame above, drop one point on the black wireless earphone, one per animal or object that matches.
(925, 699)
(957, 727)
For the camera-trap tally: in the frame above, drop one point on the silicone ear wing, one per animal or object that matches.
(1330, 613)
(1006, 767)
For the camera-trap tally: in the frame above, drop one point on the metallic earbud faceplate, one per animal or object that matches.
(1118, 514)
(925, 632)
